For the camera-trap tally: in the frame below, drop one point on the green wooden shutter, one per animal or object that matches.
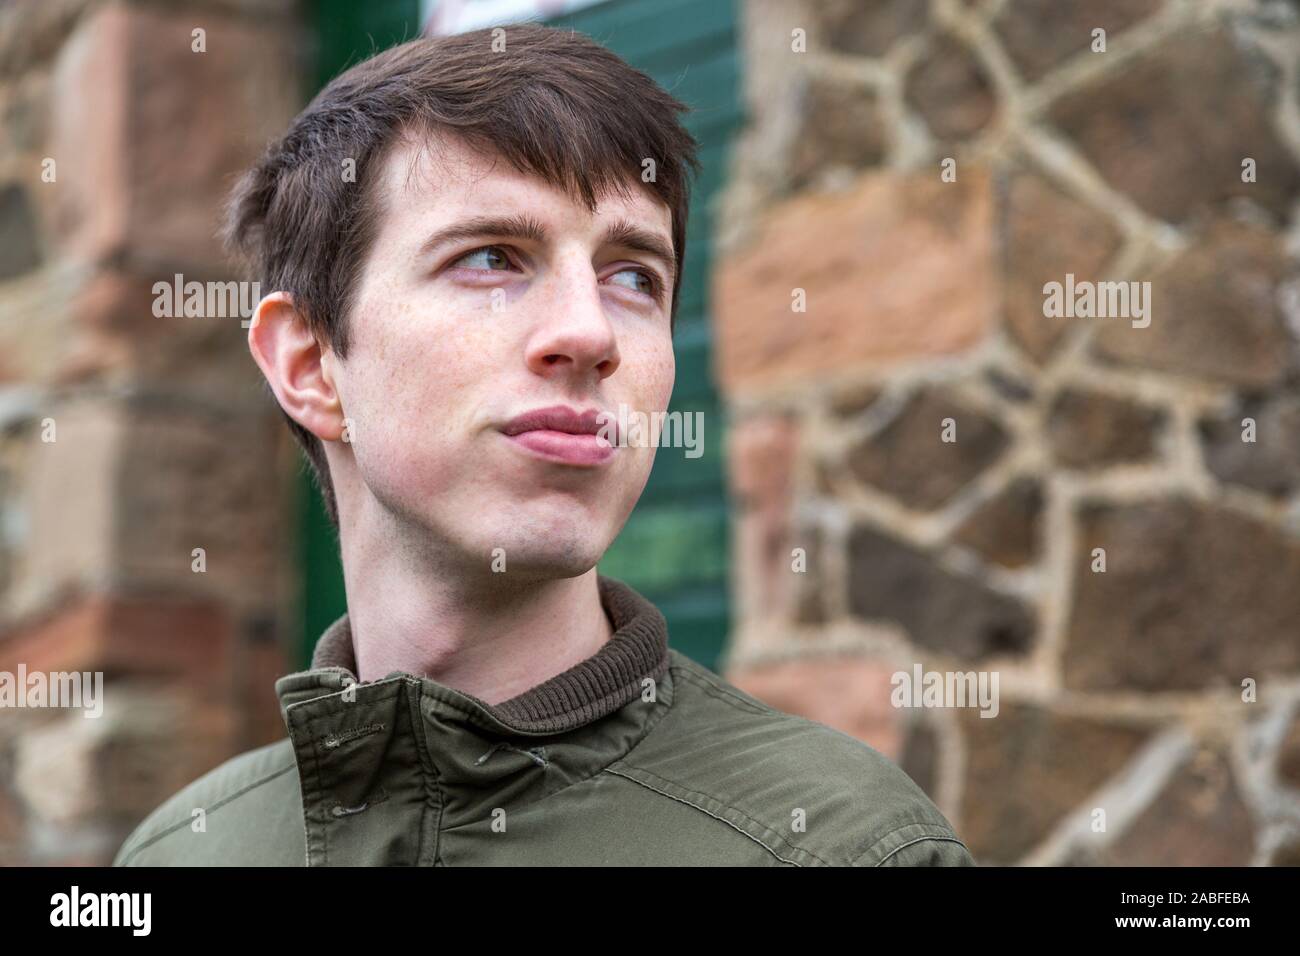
(675, 547)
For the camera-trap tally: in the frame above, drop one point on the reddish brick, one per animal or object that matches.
(173, 638)
(148, 133)
(900, 266)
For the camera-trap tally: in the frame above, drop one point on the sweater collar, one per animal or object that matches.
(586, 692)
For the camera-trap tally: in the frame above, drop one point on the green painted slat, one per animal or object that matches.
(680, 479)
(349, 32)
(713, 175)
(664, 545)
(323, 597)
(641, 31)
(695, 272)
(694, 366)
(710, 88)
(697, 616)
(688, 47)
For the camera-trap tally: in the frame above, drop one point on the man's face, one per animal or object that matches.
(495, 316)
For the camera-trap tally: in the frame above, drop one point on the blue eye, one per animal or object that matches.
(487, 258)
(641, 282)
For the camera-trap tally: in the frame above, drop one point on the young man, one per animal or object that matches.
(449, 327)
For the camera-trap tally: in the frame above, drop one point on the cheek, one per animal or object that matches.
(648, 391)
(410, 394)
(655, 370)
(417, 354)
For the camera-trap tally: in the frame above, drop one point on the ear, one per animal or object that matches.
(288, 354)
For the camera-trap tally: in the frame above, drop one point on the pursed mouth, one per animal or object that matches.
(565, 420)
(565, 435)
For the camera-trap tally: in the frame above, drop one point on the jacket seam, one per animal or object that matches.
(428, 768)
(651, 724)
(924, 839)
(934, 831)
(706, 812)
(763, 710)
(720, 693)
(307, 759)
(213, 809)
(725, 803)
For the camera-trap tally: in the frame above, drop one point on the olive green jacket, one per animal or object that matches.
(636, 756)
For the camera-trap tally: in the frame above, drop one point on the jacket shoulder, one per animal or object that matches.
(246, 811)
(807, 792)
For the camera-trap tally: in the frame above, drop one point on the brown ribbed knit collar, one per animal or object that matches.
(591, 689)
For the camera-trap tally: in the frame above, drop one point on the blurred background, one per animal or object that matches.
(906, 463)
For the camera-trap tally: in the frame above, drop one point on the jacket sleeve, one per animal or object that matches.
(127, 850)
(917, 844)
(930, 852)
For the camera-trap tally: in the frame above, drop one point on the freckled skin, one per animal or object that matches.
(429, 490)
(432, 369)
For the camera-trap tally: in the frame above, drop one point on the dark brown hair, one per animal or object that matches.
(552, 103)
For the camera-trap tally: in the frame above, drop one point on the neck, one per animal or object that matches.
(491, 635)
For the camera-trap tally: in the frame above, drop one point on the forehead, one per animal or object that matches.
(430, 180)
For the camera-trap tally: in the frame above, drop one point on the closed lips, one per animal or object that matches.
(560, 419)
(563, 435)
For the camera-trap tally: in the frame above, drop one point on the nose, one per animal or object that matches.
(572, 336)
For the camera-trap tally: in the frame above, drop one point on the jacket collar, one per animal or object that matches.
(586, 692)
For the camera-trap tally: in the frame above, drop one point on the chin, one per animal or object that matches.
(546, 548)
(545, 561)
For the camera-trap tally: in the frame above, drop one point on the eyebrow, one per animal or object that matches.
(628, 235)
(515, 227)
(622, 233)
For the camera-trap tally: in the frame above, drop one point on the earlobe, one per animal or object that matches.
(294, 363)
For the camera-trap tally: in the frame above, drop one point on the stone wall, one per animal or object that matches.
(128, 441)
(1103, 511)
(921, 298)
